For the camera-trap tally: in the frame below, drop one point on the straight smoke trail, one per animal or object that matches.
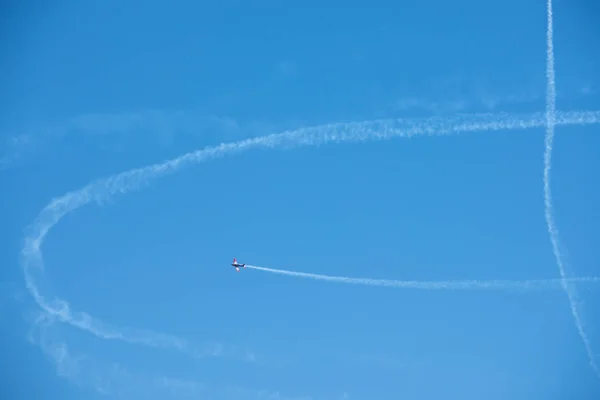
(548, 208)
(102, 190)
(539, 284)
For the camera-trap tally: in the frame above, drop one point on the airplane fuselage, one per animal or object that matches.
(237, 265)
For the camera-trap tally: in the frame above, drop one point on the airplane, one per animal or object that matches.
(237, 265)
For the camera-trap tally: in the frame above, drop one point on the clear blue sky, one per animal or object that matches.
(92, 90)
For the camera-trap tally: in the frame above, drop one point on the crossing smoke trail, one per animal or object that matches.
(102, 190)
(548, 208)
(539, 284)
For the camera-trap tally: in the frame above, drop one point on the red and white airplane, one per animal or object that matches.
(237, 265)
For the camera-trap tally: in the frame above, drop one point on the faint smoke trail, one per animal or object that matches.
(104, 189)
(548, 209)
(539, 284)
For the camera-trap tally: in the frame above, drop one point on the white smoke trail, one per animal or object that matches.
(539, 284)
(548, 212)
(104, 189)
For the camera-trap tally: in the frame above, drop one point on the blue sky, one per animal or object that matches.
(93, 90)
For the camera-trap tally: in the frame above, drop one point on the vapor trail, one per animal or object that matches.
(102, 190)
(548, 208)
(539, 284)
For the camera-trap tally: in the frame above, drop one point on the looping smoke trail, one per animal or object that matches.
(434, 285)
(548, 208)
(104, 189)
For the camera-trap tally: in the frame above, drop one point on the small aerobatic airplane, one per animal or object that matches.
(237, 265)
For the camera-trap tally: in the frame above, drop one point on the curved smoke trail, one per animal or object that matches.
(103, 189)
